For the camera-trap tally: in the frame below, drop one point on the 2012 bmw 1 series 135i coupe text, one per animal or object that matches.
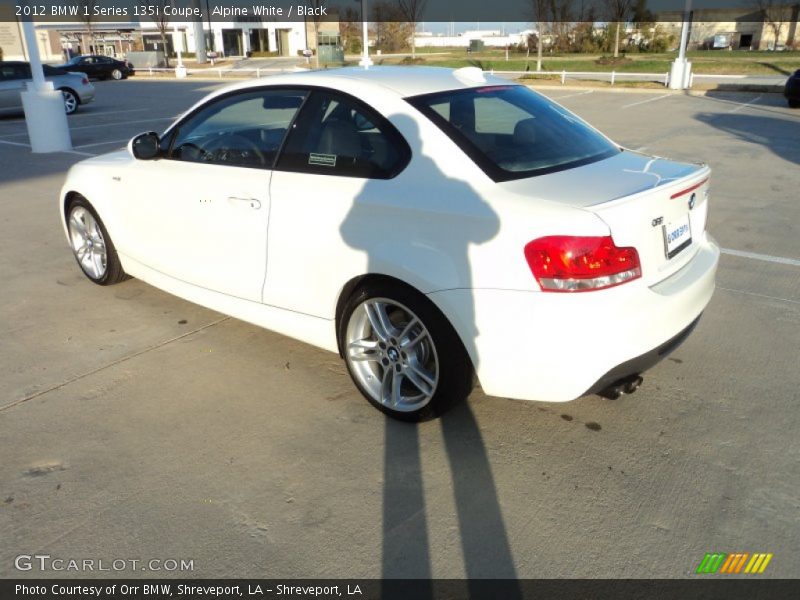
(429, 225)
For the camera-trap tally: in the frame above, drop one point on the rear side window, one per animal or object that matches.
(338, 135)
(12, 71)
(511, 132)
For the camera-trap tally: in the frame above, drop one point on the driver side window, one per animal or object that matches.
(242, 130)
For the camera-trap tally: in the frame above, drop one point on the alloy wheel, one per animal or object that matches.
(87, 242)
(392, 355)
(70, 102)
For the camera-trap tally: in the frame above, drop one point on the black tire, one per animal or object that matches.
(71, 101)
(794, 103)
(455, 371)
(116, 74)
(113, 272)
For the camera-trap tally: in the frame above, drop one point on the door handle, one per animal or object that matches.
(253, 203)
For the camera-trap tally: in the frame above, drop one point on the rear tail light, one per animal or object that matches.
(85, 81)
(563, 263)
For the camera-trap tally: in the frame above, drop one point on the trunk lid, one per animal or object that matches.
(653, 204)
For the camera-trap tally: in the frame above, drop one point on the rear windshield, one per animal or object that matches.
(512, 132)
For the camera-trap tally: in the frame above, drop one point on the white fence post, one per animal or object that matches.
(563, 77)
(613, 77)
(219, 72)
(666, 79)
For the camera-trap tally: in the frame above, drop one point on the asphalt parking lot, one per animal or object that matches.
(135, 425)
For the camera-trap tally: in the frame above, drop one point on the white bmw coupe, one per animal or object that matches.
(428, 225)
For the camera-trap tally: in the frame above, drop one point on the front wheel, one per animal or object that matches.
(402, 353)
(116, 74)
(794, 103)
(71, 101)
(91, 244)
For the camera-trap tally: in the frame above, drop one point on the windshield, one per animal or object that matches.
(512, 132)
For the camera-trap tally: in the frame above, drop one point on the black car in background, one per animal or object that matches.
(99, 67)
(792, 89)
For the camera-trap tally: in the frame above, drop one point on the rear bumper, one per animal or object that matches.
(86, 94)
(641, 363)
(558, 347)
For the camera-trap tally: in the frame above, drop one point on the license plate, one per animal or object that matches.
(677, 236)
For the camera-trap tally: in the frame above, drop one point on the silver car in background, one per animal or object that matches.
(14, 75)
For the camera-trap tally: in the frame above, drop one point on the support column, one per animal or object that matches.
(45, 116)
(680, 72)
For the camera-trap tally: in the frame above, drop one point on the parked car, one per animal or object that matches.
(426, 224)
(792, 90)
(99, 67)
(15, 74)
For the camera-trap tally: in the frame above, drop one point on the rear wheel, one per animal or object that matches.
(402, 353)
(92, 246)
(71, 101)
(794, 103)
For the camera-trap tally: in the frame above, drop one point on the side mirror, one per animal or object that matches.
(145, 146)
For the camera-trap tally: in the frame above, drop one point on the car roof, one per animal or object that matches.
(403, 80)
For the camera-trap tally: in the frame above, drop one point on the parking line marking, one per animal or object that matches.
(82, 127)
(646, 101)
(573, 95)
(746, 293)
(781, 260)
(120, 123)
(78, 153)
(60, 151)
(744, 105)
(108, 112)
(103, 143)
(111, 364)
(15, 143)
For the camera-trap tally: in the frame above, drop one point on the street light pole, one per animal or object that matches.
(45, 116)
(365, 61)
(180, 70)
(681, 70)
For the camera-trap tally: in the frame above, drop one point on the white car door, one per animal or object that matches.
(338, 152)
(200, 213)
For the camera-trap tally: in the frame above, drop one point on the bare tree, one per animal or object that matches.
(156, 8)
(412, 10)
(618, 12)
(316, 7)
(349, 29)
(774, 15)
(539, 10)
(391, 29)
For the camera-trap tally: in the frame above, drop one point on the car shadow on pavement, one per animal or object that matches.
(483, 537)
(779, 135)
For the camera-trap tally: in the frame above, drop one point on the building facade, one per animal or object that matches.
(738, 28)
